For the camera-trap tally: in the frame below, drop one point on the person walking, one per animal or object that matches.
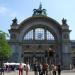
(54, 68)
(36, 68)
(27, 68)
(20, 69)
(59, 69)
(45, 68)
(40, 69)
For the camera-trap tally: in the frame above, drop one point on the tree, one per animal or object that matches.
(5, 49)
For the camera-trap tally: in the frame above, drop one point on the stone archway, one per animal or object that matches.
(61, 43)
(46, 24)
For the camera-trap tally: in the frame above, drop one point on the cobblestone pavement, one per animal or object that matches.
(32, 73)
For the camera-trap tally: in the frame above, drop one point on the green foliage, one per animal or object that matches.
(5, 49)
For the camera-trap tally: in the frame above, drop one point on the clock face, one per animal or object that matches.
(39, 35)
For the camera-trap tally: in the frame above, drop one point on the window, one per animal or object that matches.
(29, 35)
(49, 36)
(39, 34)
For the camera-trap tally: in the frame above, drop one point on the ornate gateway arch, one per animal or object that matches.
(35, 35)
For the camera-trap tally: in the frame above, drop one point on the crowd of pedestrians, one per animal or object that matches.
(44, 69)
(38, 68)
(56, 68)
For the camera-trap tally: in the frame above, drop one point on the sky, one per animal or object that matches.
(22, 9)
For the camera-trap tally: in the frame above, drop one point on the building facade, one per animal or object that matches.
(31, 38)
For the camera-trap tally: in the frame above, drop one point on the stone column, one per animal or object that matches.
(66, 56)
(66, 45)
(19, 53)
(16, 53)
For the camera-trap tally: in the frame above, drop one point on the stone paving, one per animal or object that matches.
(65, 72)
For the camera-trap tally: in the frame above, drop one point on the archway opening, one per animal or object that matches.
(36, 42)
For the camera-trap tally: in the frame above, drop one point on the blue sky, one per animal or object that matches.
(22, 9)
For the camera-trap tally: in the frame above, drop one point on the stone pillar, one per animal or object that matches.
(66, 45)
(16, 52)
(66, 56)
(20, 58)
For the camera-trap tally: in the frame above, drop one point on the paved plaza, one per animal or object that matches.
(65, 72)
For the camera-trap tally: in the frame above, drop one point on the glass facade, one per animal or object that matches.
(39, 34)
(29, 35)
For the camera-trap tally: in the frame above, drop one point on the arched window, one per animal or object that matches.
(49, 36)
(39, 34)
(29, 35)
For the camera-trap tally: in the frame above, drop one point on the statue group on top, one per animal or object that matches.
(39, 11)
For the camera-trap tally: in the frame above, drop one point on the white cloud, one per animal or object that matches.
(3, 10)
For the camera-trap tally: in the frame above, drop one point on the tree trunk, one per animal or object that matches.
(1, 65)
